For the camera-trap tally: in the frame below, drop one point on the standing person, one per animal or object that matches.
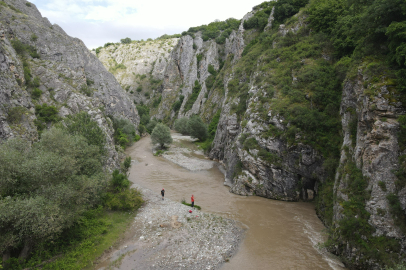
(193, 200)
(163, 193)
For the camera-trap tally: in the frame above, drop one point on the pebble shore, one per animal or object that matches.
(167, 236)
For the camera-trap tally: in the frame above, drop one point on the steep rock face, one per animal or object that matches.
(69, 76)
(183, 70)
(370, 131)
(139, 66)
(282, 171)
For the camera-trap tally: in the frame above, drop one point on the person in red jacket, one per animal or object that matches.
(193, 200)
(163, 193)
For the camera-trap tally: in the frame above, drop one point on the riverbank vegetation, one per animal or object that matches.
(55, 198)
(124, 132)
(189, 204)
(195, 127)
(161, 134)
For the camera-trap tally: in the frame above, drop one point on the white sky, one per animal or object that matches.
(99, 21)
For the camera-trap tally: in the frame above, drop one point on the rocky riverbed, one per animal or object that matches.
(184, 156)
(168, 236)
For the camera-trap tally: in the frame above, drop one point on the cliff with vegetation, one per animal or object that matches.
(47, 76)
(305, 101)
(138, 65)
(63, 118)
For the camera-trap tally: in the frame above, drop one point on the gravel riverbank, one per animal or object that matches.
(167, 236)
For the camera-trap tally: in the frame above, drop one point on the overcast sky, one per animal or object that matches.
(99, 21)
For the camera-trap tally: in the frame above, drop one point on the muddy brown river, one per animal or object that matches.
(279, 235)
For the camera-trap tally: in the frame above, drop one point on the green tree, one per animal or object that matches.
(181, 125)
(161, 135)
(124, 132)
(82, 124)
(197, 128)
(151, 125)
(126, 40)
(45, 188)
(127, 163)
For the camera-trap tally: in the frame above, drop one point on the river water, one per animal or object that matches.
(280, 235)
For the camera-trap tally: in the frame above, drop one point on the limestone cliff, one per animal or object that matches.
(139, 66)
(63, 72)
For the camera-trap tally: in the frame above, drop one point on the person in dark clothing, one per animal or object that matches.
(163, 193)
(193, 200)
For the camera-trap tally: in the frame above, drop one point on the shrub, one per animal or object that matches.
(34, 37)
(124, 131)
(15, 114)
(143, 110)
(85, 89)
(35, 82)
(119, 181)
(144, 119)
(176, 106)
(126, 40)
(218, 30)
(211, 70)
(197, 128)
(181, 125)
(36, 93)
(161, 135)
(213, 125)
(45, 114)
(127, 163)
(397, 212)
(129, 199)
(382, 185)
(156, 102)
(139, 88)
(151, 125)
(23, 49)
(199, 58)
(27, 73)
(192, 98)
(141, 129)
(82, 124)
(89, 81)
(120, 196)
(165, 36)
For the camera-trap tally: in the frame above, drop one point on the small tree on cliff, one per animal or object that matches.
(162, 135)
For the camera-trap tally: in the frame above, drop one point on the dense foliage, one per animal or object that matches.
(283, 9)
(51, 192)
(218, 30)
(24, 49)
(45, 115)
(196, 128)
(193, 126)
(161, 134)
(120, 195)
(124, 132)
(126, 40)
(46, 187)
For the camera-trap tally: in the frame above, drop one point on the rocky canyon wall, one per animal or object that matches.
(63, 74)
